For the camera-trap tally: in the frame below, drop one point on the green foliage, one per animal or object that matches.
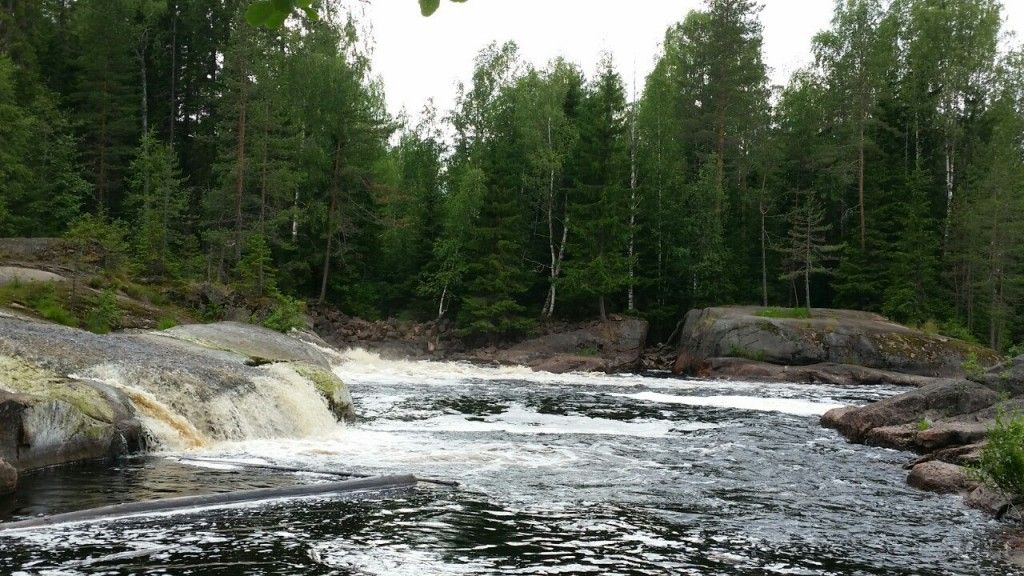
(158, 199)
(1016, 350)
(44, 298)
(774, 312)
(96, 240)
(256, 268)
(285, 314)
(955, 329)
(104, 315)
(923, 424)
(1002, 459)
(971, 366)
(745, 353)
(166, 323)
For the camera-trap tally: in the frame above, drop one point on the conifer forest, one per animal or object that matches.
(192, 146)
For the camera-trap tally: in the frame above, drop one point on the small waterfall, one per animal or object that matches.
(178, 415)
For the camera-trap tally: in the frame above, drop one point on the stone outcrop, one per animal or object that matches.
(824, 373)
(839, 346)
(68, 395)
(946, 421)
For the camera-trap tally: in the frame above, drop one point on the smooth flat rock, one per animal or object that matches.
(13, 274)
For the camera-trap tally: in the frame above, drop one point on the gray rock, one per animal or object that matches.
(828, 336)
(256, 342)
(941, 477)
(12, 274)
(937, 401)
(185, 393)
(8, 478)
(613, 346)
(824, 373)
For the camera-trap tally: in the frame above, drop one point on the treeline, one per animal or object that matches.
(886, 176)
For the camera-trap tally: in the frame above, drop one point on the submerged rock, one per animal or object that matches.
(833, 337)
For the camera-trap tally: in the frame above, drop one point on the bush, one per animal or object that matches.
(1015, 351)
(1002, 459)
(287, 313)
(971, 366)
(798, 313)
(955, 329)
(166, 323)
(105, 315)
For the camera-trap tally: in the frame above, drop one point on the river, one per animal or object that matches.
(573, 474)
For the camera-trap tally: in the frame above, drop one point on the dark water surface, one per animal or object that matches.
(560, 475)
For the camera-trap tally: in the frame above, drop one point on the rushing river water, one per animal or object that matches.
(559, 475)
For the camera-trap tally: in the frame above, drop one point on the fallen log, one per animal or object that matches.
(183, 503)
(292, 469)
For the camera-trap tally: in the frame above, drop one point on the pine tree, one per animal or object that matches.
(807, 252)
(159, 199)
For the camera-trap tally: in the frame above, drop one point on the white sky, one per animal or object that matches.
(421, 58)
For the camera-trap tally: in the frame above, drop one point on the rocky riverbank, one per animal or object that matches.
(68, 395)
(946, 422)
(615, 345)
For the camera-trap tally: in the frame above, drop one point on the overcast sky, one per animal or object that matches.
(421, 58)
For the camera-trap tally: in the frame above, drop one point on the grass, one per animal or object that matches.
(923, 424)
(740, 352)
(44, 298)
(775, 312)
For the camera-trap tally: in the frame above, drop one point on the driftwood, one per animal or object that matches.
(207, 500)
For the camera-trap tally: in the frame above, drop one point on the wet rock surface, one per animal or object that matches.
(68, 395)
(947, 422)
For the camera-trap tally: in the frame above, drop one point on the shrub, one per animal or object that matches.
(955, 329)
(971, 366)
(166, 323)
(798, 313)
(923, 424)
(287, 313)
(105, 315)
(1015, 351)
(1002, 459)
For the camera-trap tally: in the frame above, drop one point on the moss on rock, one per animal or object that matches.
(332, 388)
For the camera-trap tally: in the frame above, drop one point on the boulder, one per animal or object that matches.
(616, 345)
(8, 478)
(842, 337)
(941, 477)
(939, 400)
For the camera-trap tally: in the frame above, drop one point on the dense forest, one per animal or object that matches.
(888, 175)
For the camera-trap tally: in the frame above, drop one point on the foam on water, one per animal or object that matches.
(784, 405)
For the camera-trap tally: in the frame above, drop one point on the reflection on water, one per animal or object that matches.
(560, 475)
